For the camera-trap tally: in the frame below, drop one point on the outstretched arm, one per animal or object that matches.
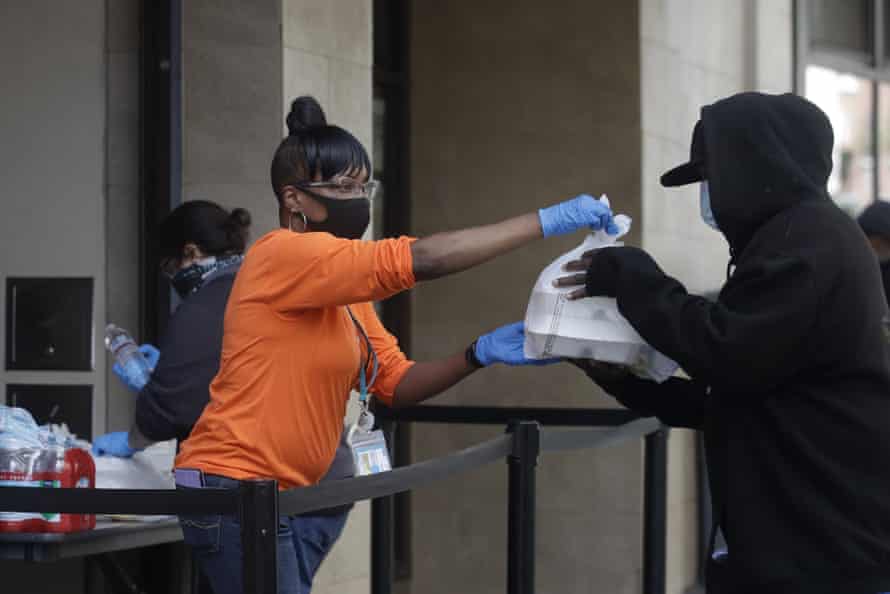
(722, 344)
(401, 382)
(454, 251)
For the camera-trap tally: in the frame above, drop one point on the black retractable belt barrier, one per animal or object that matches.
(258, 504)
(624, 425)
(339, 492)
(259, 535)
(146, 502)
(580, 439)
(521, 507)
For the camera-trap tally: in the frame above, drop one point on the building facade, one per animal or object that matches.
(475, 110)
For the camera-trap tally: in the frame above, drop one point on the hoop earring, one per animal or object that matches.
(290, 221)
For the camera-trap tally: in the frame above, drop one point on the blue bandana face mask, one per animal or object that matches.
(191, 278)
(704, 204)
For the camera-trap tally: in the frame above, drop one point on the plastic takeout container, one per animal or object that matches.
(590, 328)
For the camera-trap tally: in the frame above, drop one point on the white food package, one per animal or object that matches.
(150, 468)
(590, 328)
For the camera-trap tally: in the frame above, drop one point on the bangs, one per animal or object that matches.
(331, 150)
(320, 152)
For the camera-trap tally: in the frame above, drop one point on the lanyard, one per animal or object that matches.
(364, 384)
(369, 453)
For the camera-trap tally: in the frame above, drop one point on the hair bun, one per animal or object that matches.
(305, 112)
(240, 218)
(237, 227)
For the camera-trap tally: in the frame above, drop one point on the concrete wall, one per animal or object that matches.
(501, 125)
(232, 79)
(52, 156)
(694, 52)
(328, 53)
(52, 165)
(122, 204)
(513, 110)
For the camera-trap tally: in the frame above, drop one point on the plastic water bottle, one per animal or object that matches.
(126, 353)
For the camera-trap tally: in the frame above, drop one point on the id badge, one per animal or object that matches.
(369, 453)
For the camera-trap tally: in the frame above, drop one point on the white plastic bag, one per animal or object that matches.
(148, 469)
(590, 328)
(18, 430)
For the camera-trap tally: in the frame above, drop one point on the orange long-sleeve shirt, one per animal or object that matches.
(291, 354)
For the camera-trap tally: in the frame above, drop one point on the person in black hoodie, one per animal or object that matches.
(789, 367)
(875, 223)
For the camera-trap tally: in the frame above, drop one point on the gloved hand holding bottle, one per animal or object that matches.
(136, 381)
(114, 444)
(505, 345)
(581, 212)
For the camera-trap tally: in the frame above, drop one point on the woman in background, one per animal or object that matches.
(201, 247)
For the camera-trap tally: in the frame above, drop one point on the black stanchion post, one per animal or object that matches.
(258, 505)
(655, 512)
(521, 507)
(382, 532)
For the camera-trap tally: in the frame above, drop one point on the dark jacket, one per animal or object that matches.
(791, 383)
(171, 402)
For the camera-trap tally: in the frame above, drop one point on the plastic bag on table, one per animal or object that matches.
(19, 430)
(148, 469)
(590, 328)
(152, 468)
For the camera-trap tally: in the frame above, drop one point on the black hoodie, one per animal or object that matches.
(790, 377)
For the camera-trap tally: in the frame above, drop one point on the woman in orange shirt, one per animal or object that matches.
(301, 332)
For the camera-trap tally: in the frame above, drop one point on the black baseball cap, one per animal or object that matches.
(693, 170)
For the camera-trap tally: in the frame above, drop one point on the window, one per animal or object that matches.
(883, 140)
(840, 25)
(843, 67)
(847, 100)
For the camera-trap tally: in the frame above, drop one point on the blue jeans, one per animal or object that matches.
(303, 543)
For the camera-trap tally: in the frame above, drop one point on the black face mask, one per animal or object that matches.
(348, 218)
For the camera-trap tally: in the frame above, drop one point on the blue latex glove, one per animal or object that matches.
(504, 345)
(578, 213)
(151, 355)
(113, 444)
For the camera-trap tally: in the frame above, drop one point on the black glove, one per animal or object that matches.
(608, 265)
(606, 269)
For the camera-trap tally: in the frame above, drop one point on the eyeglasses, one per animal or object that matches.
(346, 188)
